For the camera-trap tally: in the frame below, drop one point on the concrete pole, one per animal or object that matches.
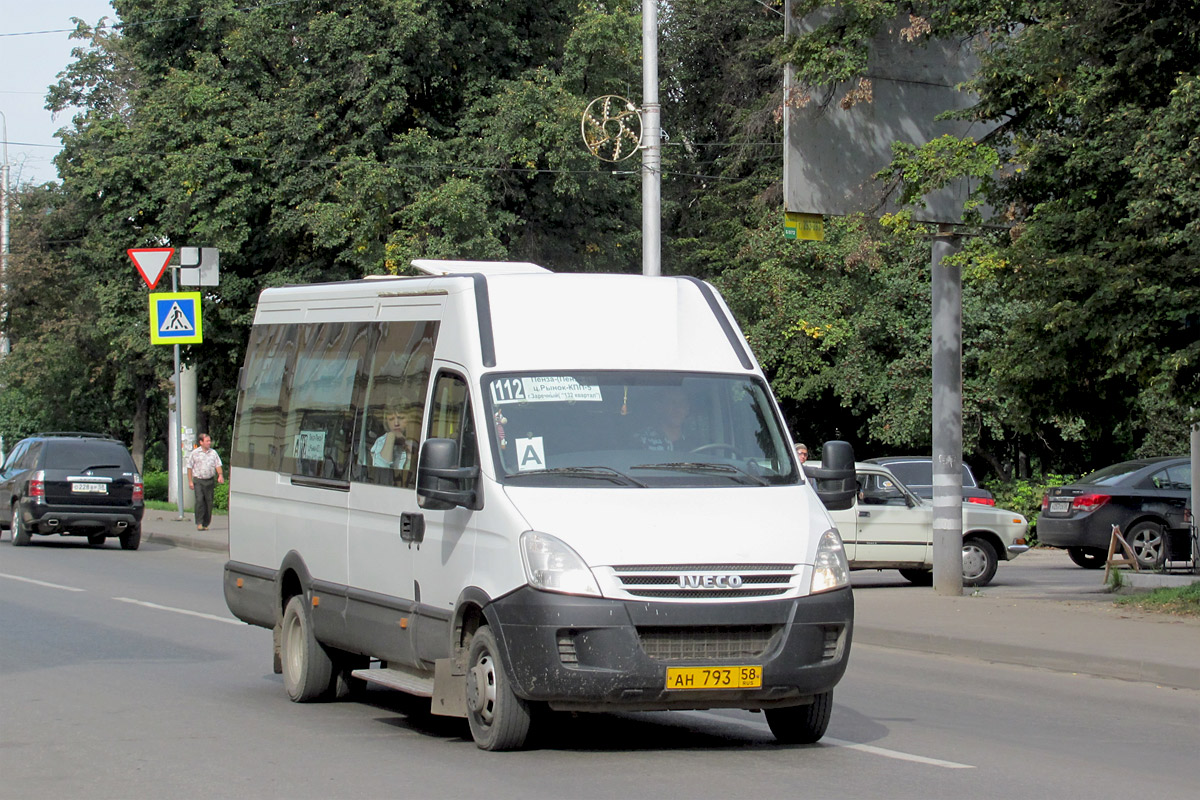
(947, 417)
(188, 431)
(4, 203)
(651, 144)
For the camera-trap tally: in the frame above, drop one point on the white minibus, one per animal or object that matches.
(506, 489)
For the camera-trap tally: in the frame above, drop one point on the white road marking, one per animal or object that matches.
(866, 748)
(41, 583)
(146, 604)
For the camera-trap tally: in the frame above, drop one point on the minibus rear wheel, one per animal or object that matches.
(499, 719)
(801, 724)
(307, 668)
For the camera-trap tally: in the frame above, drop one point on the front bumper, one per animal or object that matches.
(588, 654)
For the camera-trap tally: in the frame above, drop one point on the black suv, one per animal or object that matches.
(73, 484)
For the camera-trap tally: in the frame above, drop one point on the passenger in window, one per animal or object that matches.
(397, 449)
(668, 432)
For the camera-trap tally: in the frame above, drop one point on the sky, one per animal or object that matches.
(29, 64)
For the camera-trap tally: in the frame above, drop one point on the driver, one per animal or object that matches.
(668, 431)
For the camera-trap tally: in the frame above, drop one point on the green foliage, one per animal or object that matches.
(1025, 496)
(156, 485)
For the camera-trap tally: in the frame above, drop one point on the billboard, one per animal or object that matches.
(832, 153)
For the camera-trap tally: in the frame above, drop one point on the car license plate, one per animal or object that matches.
(90, 488)
(714, 678)
(1060, 507)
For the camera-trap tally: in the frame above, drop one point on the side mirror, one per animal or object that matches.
(834, 479)
(441, 483)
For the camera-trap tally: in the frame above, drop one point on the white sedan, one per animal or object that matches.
(889, 527)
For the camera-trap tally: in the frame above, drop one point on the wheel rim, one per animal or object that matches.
(974, 562)
(293, 657)
(1147, 545)
(481, 690)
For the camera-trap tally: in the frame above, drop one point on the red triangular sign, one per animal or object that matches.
(151, 262)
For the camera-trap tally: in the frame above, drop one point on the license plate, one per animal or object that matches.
(90, 488)
(1060, 508)
(683, 678)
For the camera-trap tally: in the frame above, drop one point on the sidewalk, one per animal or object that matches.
(1075, 629)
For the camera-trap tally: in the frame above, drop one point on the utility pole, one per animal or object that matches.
(651, 144)
(4, 201)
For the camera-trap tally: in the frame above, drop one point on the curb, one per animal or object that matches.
(189, 542)
(1129, 669)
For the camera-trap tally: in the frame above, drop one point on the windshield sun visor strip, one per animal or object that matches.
(722, 318)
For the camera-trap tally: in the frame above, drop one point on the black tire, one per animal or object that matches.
(20, 534)
(131, 538)
(1087, 557)
(499, 719)
(979, 562)
(1148, 544)
(96, 539)
(918, 577)
(801, 724)
(307, 668)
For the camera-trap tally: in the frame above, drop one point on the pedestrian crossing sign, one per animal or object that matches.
(175, 318)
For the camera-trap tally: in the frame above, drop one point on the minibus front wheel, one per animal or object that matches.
(801, 724)
(499, 719)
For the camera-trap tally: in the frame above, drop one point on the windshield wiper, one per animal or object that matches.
(101, 466)
(703, 466)
(601, 473)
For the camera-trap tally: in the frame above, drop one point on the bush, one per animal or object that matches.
(1025, 497)
(156, 484)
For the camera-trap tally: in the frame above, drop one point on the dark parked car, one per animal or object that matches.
(1146, 497)
(916, 472)
(72, 484)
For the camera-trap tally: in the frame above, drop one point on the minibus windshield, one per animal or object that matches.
(635, 430)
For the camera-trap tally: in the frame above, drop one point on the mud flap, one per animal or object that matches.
(449, 688)
(276, 635)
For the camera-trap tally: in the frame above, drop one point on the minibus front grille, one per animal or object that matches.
(706, 581)
(707, 643)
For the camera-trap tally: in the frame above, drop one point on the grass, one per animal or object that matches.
(1180, 600)
(163, 505)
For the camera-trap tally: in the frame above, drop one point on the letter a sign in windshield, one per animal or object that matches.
(151, 262)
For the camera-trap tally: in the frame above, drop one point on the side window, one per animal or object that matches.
(1178, 477)
(14, 458)
(450, 417)
(389, 424)
(31, 456)
(320, 414)
(262, 405)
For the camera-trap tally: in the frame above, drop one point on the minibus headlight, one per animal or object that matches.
(552, 566)
(830, 570)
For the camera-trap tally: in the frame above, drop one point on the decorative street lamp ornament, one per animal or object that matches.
(612, 128)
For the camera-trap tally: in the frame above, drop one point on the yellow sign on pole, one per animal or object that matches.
(803, 226)
(175, 318)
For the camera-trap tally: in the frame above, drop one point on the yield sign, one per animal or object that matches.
(151, 262)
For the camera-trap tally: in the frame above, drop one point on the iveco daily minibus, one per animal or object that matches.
(503, 488)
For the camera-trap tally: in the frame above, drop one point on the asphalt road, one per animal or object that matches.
(122, 675)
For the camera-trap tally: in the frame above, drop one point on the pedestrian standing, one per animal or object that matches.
(802, 452)
(203, 468)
